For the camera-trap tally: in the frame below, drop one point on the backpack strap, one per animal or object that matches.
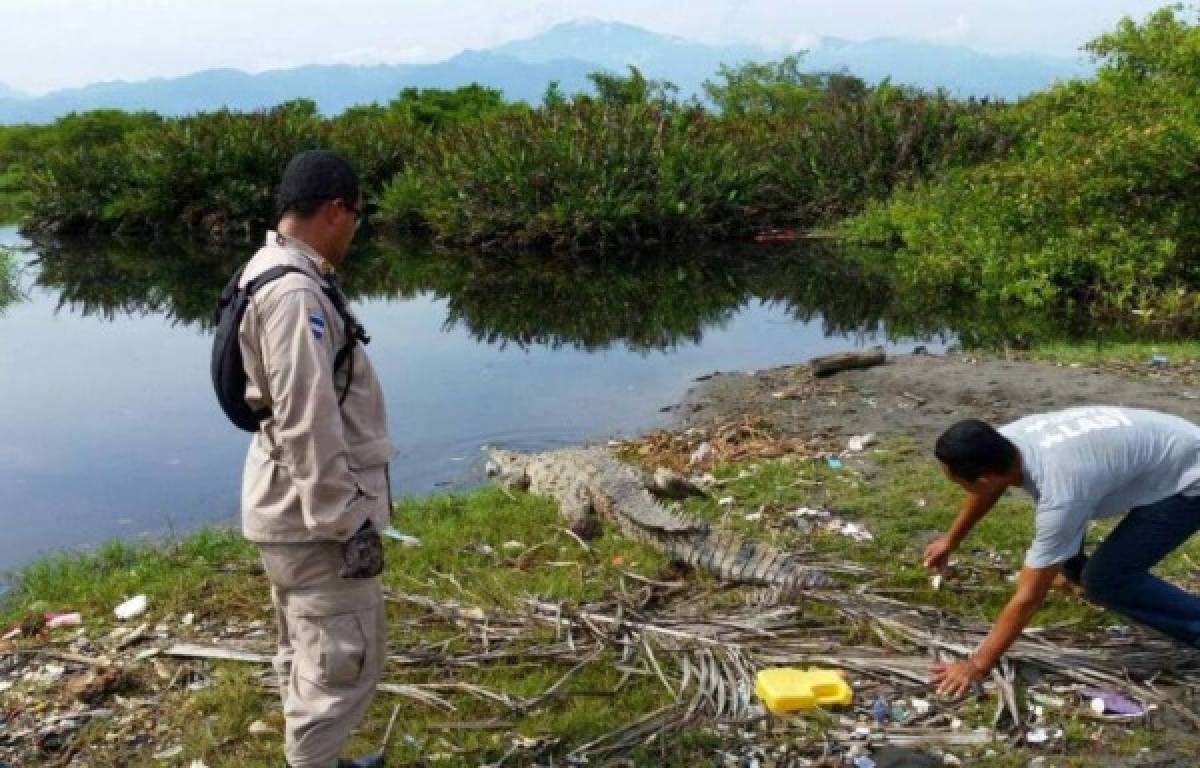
(354, 332)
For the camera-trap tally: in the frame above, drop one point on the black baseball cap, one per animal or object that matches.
(315, 175)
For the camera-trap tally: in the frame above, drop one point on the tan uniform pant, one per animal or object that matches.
(331, 648)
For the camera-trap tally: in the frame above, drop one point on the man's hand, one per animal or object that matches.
(937, 554)
(954, 679)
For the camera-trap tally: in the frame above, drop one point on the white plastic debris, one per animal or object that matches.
(936, 581)
(512, 545)
(133, 607)
(819, 514)
(920, 706)
(700, 454)
(395, 535)
(856, 532)
(1037, 736)
(863, 762)
(859, 443)
(188, 619)
(725, 501)
(169, 754)
(259, 728)
(198, 764)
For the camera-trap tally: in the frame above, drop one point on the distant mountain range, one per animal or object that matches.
(565, 53)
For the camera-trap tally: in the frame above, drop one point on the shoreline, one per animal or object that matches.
(918, 395)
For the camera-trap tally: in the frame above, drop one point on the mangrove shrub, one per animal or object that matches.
(1097, 207)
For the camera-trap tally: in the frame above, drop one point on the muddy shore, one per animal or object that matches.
(920, 395)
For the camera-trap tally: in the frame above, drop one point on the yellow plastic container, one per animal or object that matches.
(785, 689)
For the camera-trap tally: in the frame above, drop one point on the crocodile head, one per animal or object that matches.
(507, 468)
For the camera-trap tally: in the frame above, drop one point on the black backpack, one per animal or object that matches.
(228, 369)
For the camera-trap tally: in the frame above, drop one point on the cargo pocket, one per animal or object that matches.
(330, 650)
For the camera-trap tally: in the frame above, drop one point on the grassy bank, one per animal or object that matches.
(894, 492)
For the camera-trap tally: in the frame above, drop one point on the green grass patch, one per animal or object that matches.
(1097, 353)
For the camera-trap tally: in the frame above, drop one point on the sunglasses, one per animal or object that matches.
(357, 212)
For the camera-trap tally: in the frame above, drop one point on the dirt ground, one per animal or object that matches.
(921, 395)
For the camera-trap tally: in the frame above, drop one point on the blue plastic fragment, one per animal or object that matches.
(834, 463)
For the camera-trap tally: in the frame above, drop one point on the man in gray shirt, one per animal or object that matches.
(1080, 464)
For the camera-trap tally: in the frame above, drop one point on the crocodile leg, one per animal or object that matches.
(578, 510)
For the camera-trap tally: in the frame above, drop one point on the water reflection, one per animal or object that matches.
(649, 302)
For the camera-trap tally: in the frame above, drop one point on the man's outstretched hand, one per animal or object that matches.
(955, 679)
(937, 554)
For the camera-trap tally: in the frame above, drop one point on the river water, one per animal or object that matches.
(111, 429)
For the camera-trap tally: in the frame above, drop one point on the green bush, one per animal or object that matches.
(632, 165)
(211, 176)
(1097, 208)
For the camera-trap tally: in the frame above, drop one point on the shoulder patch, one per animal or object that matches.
(317, 323)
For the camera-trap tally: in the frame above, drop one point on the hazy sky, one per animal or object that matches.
(47, 44)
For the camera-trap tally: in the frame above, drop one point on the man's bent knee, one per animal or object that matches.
(1101, 586)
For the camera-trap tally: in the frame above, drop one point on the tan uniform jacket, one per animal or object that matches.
(315, 470)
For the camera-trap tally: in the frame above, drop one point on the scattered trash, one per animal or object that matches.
(512, 545)
(862, 761)
(1158, 361)
(131, 608)
(1110, 703)
(783, 689)
(920, 706)
(392, 533)
(618, 561)
(169, 754)
(935, 581)
(834, 463)
(819, 514)
(725, 501)
(259, 728)
(859, 443)
(57, 620)
(880, 710)
(854, 531)
(188, 619)
(701, 453)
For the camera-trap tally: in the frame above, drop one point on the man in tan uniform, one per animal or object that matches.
(315, 485)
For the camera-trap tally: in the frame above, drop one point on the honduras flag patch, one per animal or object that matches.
(317, 323)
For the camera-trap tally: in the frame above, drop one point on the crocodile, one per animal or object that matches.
(590, 485)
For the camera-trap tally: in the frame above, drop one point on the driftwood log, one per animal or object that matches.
(844, 361)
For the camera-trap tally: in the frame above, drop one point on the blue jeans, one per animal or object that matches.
(1117, 575)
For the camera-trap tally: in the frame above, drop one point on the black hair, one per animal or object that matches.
(313, 178)
(971, 447)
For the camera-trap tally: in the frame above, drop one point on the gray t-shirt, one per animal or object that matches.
(1098, 461)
